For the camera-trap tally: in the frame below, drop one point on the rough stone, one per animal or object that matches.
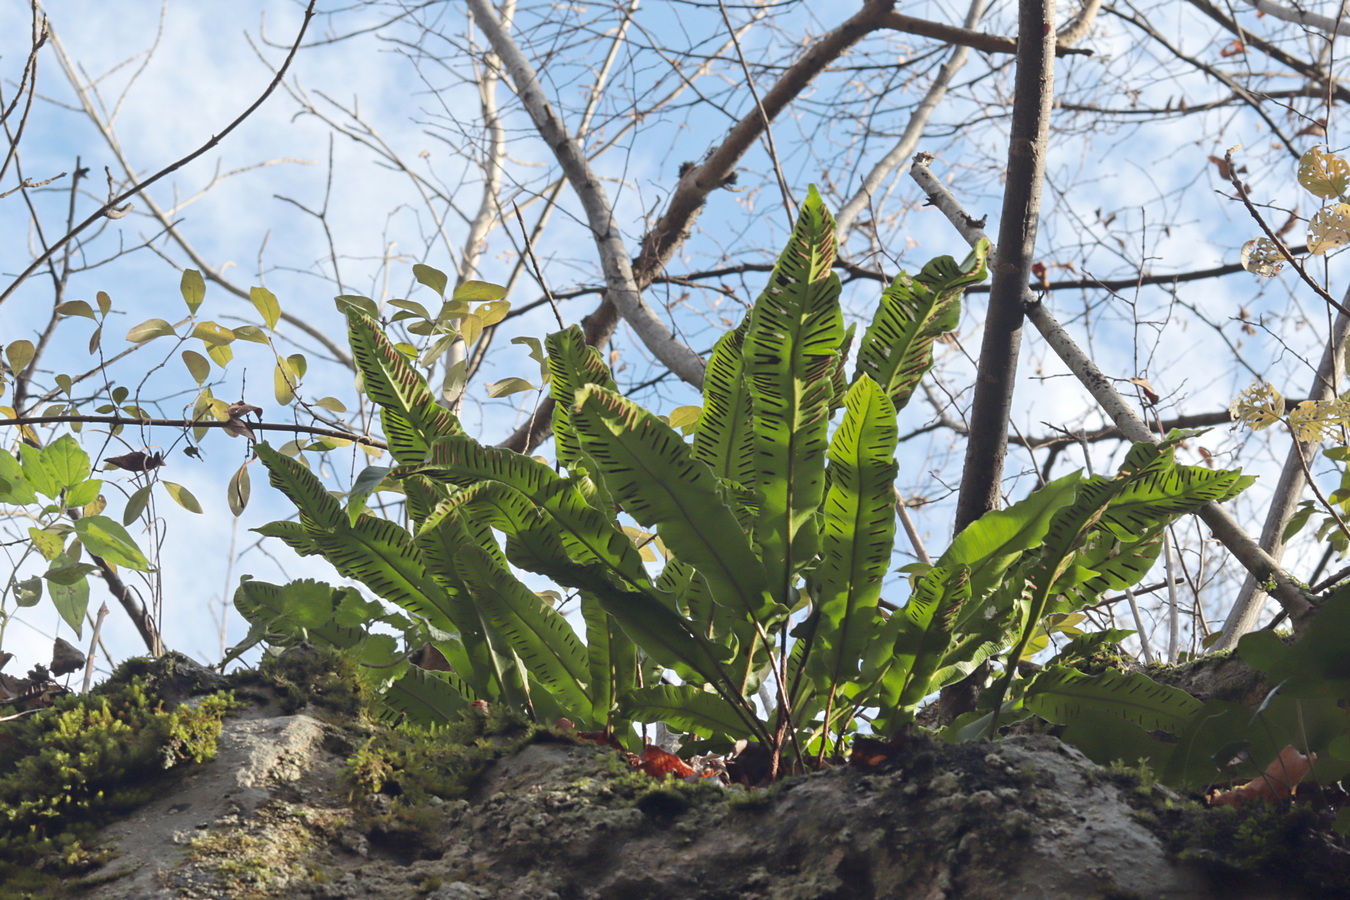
(1028, 818)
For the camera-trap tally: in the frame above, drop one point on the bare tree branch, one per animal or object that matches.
(623, 288)
(997, 373)
(1245, 550)
(895, 160)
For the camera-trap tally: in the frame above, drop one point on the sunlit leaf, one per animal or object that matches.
(470, 327)
(221, 353)
(197, 365)
(508, 386)
(76, 308)
(284, 382)
(346, 302)
(456, 376)
(332, 404)
(1259, 406)
(685, 417)
(19, 354)
(1329, 229)
(66, 461)
(251, 333)
(479, 290)
(212, 334)
(104, 302)
(432, 278)
(265, 302)
(49, 543)
(193, 289)
(149, 330)
(106, 538)
(84, 493)
(493, 312)
(1323, 174)
(183, 497)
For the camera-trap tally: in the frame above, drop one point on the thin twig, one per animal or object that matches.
(93, 646)
(116, 202)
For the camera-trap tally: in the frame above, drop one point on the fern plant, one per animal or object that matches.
(777, 521)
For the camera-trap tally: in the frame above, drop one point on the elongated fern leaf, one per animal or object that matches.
(791, 346)
(654, 475)
(541, 637)
(725, 440)
(411, 417)
(859, 530)
(897, 348)
(1062, 695)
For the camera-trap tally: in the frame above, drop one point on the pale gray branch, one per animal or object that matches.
(1225, 528)
(621, 285)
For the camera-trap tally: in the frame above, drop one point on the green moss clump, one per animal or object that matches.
(416, 764)
(71, 768)
(1285, 845)
(316, 679)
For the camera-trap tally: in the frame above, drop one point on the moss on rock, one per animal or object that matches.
(69, 769)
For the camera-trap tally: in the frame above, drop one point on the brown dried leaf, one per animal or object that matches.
(136, 461)
(1277, 782)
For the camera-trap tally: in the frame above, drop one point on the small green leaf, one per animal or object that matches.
(183, 497)
(251, 333)
(84, 493)
(104, 302)
(28, 592)
(149, 330)
(212, 334)
(238, 492)
(456, 377)
(106, 538)
(366, 484)
(69, 574)
(470, 328)
(49, 543)
(221, 353)
(197, 365)
(20, 354)
(432, 278)
(348, 302)
(332, 404)
(479, 290)
(284, 382)
(193, 288)
(76, 308)
(493, 312)
(136, 505)
(265, 302)
(70, 600)
(508, 386)
(67, 462)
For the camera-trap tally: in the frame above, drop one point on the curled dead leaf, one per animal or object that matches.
(1278, 782)
(137, 461)
(66, 658)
